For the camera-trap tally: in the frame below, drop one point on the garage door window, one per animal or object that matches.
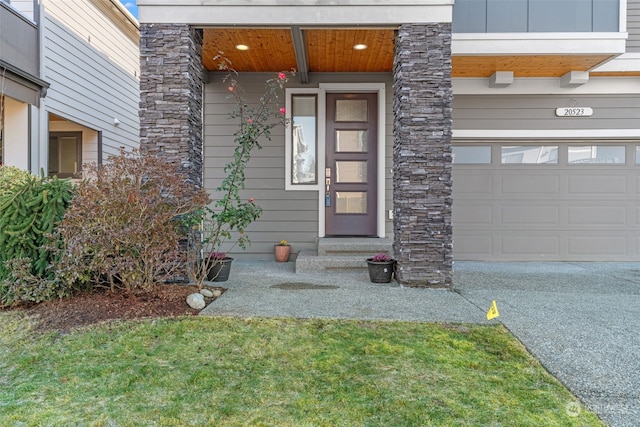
(606, 154)
(472, 155)
(530, 154)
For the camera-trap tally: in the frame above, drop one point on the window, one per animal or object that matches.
(304, 147)
(472, 154)
(65, 154)
(597, 154)
(530, 154)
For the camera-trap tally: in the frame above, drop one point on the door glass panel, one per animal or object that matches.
(351, 202)
(354, 171)
(68, 152)
(351, 141)
(597, 154)
(532, 154)
(351, 110)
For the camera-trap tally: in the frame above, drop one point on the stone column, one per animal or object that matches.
(171, 84)
(422, 184)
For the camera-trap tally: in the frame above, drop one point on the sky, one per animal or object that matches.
(131, 5)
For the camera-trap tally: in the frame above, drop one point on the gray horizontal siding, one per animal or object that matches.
(633, 25)
(290, 215)
(538, 112)
(92, 69)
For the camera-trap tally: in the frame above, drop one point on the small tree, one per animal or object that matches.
(231, 215)
(123, 225)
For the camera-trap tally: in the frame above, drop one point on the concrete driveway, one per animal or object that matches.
(581, 320)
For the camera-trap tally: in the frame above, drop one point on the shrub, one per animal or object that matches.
(11, 177)
(122, 228)
(29, 213)
(30, 209)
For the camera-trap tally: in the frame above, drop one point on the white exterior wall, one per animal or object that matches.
(91, 62)
(16, 135)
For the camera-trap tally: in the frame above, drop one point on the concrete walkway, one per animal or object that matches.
(581, 320)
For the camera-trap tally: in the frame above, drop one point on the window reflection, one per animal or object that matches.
(596, 154)
(530, 154)
(304, 131)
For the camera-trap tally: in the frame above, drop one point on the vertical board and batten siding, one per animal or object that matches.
(93, 67)
(546, 212)
(290, 215)
(633, 25)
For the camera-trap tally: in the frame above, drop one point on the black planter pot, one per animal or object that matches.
(380, 272)
(219, 272)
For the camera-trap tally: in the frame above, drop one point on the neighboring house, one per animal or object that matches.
(484, 130)
(69, 83)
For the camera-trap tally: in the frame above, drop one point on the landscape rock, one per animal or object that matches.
(196, 301)
(216, 293)
(206, 292)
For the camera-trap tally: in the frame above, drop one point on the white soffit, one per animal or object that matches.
(294, 12)
(538, 43)
(548, 86)
(628, 62)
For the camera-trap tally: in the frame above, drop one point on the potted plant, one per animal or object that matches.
(381, 266)
(219, 267)
(282, 251)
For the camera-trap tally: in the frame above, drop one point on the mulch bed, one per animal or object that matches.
(63, 315)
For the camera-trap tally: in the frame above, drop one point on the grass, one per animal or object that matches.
(275, 372)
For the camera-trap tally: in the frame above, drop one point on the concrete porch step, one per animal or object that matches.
(341, 254)
(366, 246)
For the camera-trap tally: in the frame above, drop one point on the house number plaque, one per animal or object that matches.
(574, 112)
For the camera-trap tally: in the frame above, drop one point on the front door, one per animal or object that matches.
(351, 164)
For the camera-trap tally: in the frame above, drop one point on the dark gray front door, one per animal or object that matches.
(351, 165)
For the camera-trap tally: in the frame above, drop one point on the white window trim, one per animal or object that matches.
(320, 123)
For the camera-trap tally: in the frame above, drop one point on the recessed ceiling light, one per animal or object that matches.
(242, 47)
(360, 46)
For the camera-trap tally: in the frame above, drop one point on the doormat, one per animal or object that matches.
(301, 285)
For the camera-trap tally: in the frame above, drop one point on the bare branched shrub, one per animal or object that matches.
(124, 224)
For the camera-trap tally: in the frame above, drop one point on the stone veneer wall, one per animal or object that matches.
(422, 183)
(171, 95)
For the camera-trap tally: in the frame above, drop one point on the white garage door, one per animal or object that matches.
(569, 201)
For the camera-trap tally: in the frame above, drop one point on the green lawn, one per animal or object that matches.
(233, 372)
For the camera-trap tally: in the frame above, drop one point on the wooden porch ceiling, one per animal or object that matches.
(332, 50)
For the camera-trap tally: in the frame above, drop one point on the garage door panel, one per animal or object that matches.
(526, 184)
(598, 183)
(597, 245)
(597, 215)
(527, 244)
(471, 213)
(530, 214)
(473, 183)
(473, 246)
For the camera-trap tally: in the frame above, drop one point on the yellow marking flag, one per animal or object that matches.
(493, 311)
